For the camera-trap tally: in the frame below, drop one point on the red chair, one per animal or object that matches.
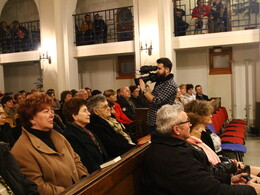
(237, 121)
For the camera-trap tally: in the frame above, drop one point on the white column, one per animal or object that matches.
(154, 19)
(57, 38)
(2, 83)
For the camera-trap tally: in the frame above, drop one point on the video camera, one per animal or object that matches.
(145, 70)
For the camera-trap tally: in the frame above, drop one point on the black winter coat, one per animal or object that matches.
(114, 143)
(126, 108)
(84, 146)
(173, 166)
(9, 170)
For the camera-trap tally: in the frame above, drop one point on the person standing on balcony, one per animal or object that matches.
(100, 29)
(219, 17)
(200, 18)
(20, 37)
(5, 37)
(87, 28)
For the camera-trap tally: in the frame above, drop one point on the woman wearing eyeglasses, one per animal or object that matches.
(43, 154)
(108, 129)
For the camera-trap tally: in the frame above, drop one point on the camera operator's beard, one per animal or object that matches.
(161, 76)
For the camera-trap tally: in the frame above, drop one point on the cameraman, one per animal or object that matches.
(164, 91)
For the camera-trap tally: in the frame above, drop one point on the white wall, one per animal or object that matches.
(96, 5)
(245, 79)
(20, 76)
(100, 73)
(192, 67)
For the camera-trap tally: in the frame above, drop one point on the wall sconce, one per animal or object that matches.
(44, 56)
(146, 48)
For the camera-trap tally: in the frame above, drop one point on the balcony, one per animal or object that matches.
(104, 26)
(218, 16)
(24, 38)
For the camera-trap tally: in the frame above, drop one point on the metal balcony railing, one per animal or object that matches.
(24, 38)
(215, 16)
(104, 26)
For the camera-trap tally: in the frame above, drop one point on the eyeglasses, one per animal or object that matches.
(188, 121)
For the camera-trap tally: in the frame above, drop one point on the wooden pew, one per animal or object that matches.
(141, 116)
(123, 177)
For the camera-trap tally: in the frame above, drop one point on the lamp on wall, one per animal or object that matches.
(45, 56)
(147, 48)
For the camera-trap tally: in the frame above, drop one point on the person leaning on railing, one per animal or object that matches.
(200, 18)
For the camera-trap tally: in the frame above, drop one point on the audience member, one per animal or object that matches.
(84, 141)
(219, 17)
(100, 29)
(20, 36)
(173, 166)
(164, 91)
(180, 26)
(199, 94)
(107, 128)
(111, 96)
(83, 94)
(200, 114)
(137, 99)
(12, 181)
(96, 92)
(87, 28)
(44, 155)
(5, 37)
(89, 92)
(1, 94)
(6, 133)
(127, 106)
(10, 111)
(200, 18)
(56, 102)
(74, 93)
(178, 98)
(64, 97)
(189, 95)
(23, 93)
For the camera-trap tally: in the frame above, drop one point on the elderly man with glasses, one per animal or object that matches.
(173, 166)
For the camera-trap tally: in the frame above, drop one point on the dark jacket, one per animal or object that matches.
(84, 146)
(126, 108)
(139, 102)
(173, 166)
(6, 134)
(12, 175)
(203, 97)
(114, 143)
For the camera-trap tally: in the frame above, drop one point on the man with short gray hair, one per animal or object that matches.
(173, 166)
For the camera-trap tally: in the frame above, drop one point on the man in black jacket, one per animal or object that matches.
(172, 166)
(199, 94)
(126, 104)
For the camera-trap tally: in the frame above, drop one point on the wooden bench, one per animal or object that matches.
(123, 177)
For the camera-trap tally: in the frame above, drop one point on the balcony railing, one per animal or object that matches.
(25, 39)
(218, 16)
(104, 26)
